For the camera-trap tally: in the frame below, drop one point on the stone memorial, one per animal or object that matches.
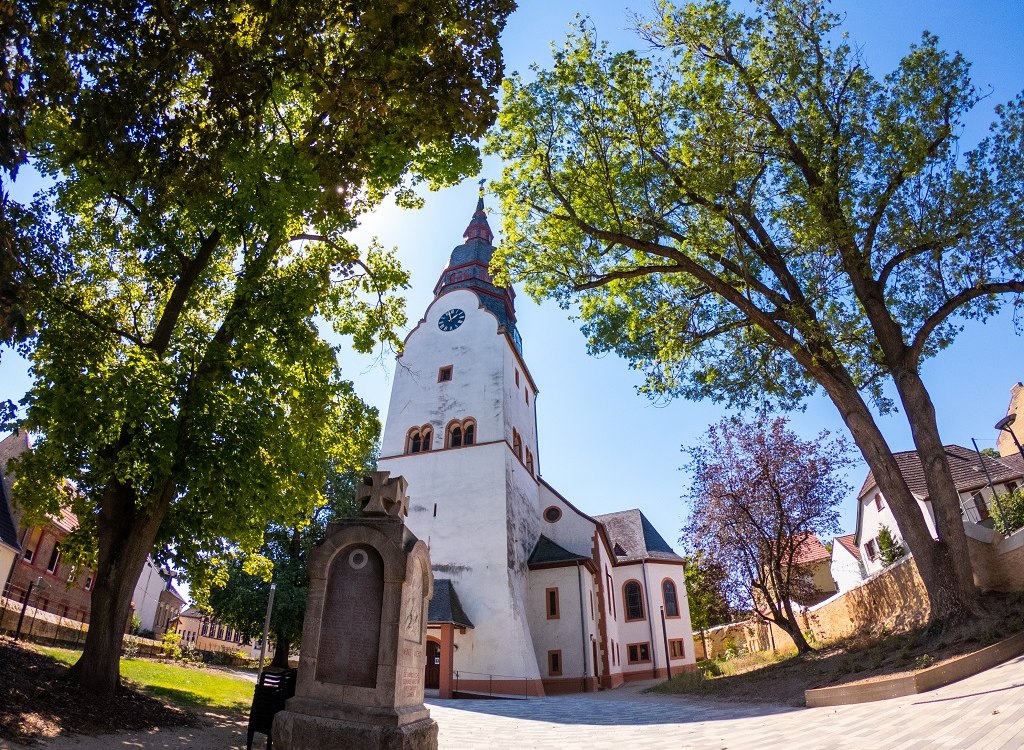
(360, 681)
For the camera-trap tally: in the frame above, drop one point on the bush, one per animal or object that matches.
(890, 549)
(130, 648)
(170, 643)
(1008, 512)
(136, 625)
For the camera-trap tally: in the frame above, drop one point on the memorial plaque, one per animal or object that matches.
(350, 633)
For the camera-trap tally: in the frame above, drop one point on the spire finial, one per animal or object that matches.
(482, 183)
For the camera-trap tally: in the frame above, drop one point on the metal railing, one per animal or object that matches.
(474, 684)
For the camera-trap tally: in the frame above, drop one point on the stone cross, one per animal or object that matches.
(379, 495)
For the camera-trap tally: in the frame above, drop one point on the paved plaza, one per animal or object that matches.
(985, 712)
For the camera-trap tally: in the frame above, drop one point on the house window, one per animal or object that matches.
(206, 628)
(517, 444)
(552, 514)
(1011, 486)
(460, 433)
(668, 592)
(51, 567)
(879, 502)
(554, 663)
(444, 374)
(529, 462)
(28, 554)
(517, 378)
(526, 393)
(220, 632)
(419, 439)
(615, 654)
(676, 649)
(638, 653)
(591, 605)
(871, 547)
(88, 583)
(633, 597)
(611, 599)
(551, 603)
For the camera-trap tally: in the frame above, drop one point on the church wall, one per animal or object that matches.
(564, 633)
(467, 547)
(417, 398)
(573, 531)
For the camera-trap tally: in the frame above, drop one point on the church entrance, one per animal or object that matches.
(432, 674)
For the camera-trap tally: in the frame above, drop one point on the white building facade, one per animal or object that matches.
(534, 595)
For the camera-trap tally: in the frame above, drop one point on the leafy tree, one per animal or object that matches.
(746, 213)
(758, 493)
(706, 593)
(890, 549)
(238, 595)
(1008, 513)
(206, 160)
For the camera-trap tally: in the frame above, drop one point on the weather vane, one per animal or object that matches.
(482, 187)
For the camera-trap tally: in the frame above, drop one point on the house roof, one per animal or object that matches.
(630, 530)
(847, 542)
(547, 551)
(810, 550)
(963, 464)
(445, 606)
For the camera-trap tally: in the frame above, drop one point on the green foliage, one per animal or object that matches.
(890, 549)
(1008, 512)
(706, 593)
(206, 161)
(924, 661)
(745, 213)
(237, 593)
(136, 625)
(170, 642)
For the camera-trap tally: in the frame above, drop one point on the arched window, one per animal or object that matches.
(419, 439)
(633, 598)
(460, 433)
(517, 444)
(529, 462)
(668, 592)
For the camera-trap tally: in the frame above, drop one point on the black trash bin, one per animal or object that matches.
(273, 688)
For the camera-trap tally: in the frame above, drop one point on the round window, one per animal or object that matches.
(552, 514)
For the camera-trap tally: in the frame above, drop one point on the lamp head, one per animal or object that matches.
(1005, 422)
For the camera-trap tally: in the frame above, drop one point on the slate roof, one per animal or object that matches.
(810, 550)
(847, 543)
(472, 260)
(547, 551)
(964, 465)
(446, 607)
(630, 530)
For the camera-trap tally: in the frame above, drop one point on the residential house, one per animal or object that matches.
(200, 632)
(155, 601)
(812, 560)
(972, 484)
(845, 563)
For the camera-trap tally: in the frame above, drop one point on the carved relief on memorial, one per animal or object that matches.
(412, 605)
(347, 651)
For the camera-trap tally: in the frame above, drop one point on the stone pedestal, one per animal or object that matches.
(360, 681)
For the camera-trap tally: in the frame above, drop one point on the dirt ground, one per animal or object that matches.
(213, 732)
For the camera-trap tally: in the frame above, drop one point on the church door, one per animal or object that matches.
(432, 675)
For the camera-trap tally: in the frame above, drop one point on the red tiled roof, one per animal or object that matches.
(963, 464)
(810, 550)
(846, 541)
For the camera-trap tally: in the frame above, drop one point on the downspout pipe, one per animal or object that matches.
(650, 619)
(583, 626)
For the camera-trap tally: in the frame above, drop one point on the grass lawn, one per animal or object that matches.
(190, 687)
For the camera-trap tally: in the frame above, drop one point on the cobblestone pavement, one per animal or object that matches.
(984, 712)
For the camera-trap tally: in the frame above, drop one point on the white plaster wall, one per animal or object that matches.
(477, 389)
(573, 531)
(565, 633)
(518, 413)
(648, 630)
(872, 521)
(846, 570)
(147, 594)
(968, 503)
(8, 555)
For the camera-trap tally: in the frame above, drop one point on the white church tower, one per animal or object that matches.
(461, 428)
(532, 596)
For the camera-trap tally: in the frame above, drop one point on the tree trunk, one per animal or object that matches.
(282, 647)
(123, 547)
(950, 596)
(956, 581)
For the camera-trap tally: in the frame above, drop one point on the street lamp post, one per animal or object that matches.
(1004, 425)
(36, 584)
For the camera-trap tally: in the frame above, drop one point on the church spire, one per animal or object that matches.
(478, 228)
(468, 268)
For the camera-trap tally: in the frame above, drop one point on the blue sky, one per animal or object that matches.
(601, 444)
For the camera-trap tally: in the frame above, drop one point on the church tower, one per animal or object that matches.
(461, 427)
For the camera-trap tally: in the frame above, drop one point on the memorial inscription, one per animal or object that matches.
(355, 591)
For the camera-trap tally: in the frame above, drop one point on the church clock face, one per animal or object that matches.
(451, 320)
